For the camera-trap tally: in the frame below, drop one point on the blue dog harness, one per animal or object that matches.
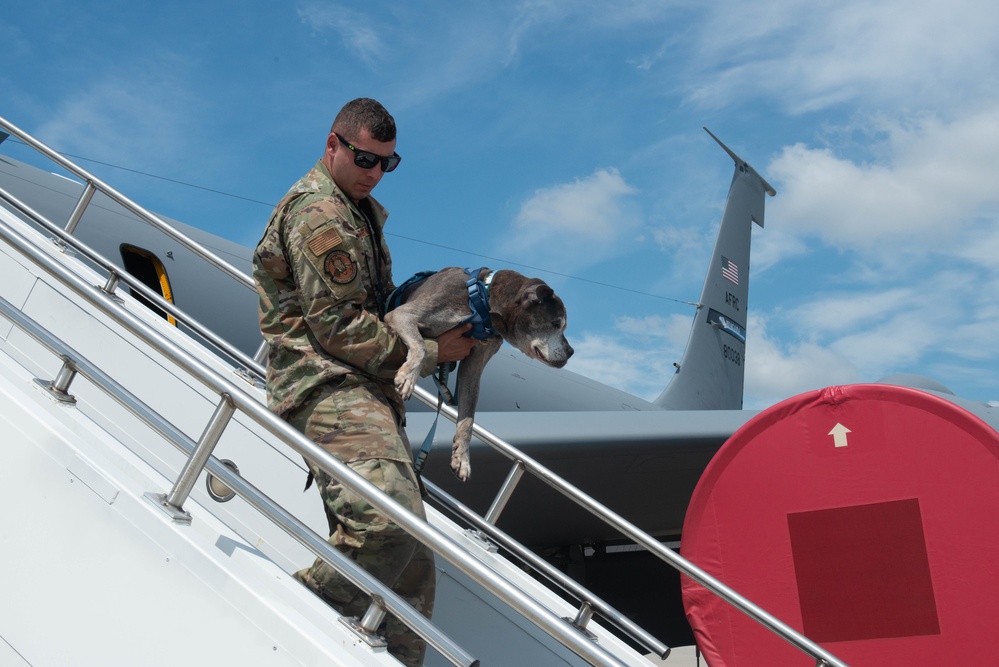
(478, 301)
(395, 298)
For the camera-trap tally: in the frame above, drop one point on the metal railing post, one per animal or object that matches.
(505, 492)
(173, 503)
(112, 284)
(261, 356)
(583, 616)
(59, 387)
(81, 206)
(367, 627)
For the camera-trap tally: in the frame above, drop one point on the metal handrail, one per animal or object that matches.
(252, 495)
(92, 183)
(562, 486)
(250, 406)
(194, 325)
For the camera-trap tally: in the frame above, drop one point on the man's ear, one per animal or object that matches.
(332, 144)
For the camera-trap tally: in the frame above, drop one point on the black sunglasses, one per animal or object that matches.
(367, 160)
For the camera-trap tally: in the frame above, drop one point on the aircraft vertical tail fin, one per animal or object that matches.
(711, 373)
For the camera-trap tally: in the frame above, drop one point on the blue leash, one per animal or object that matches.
(442, 391)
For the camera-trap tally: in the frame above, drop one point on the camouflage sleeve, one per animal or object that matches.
(329, 262)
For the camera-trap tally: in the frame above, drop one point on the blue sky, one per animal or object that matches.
(563, 138)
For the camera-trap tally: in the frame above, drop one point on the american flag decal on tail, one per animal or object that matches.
(730, 270)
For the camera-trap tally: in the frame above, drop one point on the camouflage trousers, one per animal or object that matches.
(358, 424)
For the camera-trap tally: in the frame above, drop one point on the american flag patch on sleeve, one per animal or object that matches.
(328, 239)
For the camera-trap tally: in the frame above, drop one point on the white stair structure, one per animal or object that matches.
(117, 553)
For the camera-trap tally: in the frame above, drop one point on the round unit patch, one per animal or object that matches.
(341, 267)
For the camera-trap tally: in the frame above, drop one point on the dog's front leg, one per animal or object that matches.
(469, 376)
(404, 324)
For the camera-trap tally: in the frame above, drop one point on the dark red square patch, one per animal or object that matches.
(862, 572)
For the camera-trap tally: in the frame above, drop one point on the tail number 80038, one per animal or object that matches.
(732, 354)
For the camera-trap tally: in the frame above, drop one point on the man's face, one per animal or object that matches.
(356, 182)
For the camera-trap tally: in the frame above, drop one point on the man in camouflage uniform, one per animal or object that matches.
(323, 273)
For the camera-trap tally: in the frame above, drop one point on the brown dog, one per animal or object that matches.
(524, 311)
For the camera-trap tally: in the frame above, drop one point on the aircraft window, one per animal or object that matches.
(145, 266)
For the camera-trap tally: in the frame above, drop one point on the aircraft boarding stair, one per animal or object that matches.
(120, 551)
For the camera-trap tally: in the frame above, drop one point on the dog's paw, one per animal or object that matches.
(405, 382)
(460, 464)
(461, 468)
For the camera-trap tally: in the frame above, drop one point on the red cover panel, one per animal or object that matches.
(863, 516)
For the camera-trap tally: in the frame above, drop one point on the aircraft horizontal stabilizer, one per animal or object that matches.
(739, 162)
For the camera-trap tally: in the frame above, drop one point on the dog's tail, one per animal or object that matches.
(711, 373)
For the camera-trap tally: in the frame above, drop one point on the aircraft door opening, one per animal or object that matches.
(145, 266)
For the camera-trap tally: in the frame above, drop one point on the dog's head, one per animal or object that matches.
(537, 328)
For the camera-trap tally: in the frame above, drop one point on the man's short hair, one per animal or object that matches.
(364, 113)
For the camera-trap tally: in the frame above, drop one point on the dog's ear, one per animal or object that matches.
(537, 293)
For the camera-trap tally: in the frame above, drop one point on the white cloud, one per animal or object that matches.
(935, 326)
(360, 37)
(427, 52)
(773, 245)
(933, 181)
(615, 363)
(674, 239)
(590, 208)
(584, 221)
(656, 330)
(776, 370)
(812, 56)
(129, 121)
(894, 343)
(833, 315)
(637, 357)
(585, 16)
(943, 315)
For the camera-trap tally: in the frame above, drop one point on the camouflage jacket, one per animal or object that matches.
(323, 271)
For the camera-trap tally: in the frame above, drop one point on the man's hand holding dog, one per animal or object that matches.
(453, 345)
